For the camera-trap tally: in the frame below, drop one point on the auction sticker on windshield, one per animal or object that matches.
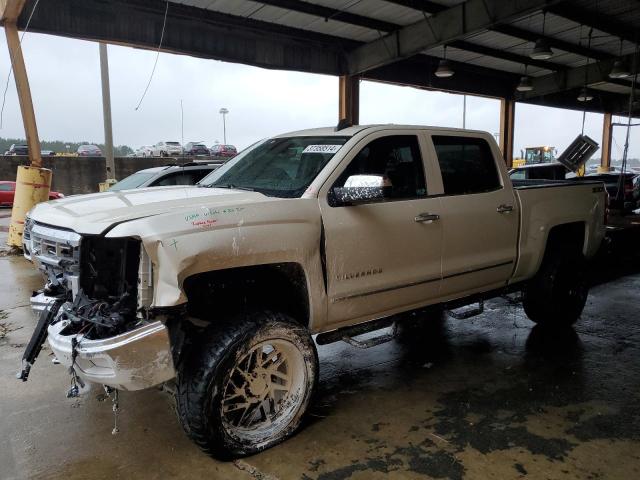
(322, 149)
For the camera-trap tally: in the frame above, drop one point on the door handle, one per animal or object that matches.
(426, 217)
(504, 208)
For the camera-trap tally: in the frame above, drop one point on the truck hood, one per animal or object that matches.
(97, 212)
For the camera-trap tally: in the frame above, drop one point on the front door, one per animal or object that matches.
(384, 256)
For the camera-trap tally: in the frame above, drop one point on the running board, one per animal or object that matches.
(346, 334)
(372, 342)
(465, 312)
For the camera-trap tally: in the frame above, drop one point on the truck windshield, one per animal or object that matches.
(278, 167)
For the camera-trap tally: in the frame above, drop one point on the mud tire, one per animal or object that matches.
(557, 294)
(203, 374)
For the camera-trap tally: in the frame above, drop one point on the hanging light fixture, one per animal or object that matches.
(584, 95)
(619, 69)
(525, 84)
(541, 49)
(444, 69)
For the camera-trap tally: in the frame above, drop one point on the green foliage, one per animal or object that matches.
(61, 147)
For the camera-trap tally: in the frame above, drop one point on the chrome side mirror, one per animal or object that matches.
(360, 189)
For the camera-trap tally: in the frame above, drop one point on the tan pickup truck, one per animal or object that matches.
(324, 231)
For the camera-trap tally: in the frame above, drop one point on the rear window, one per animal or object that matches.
(467, 165)
(173, 143)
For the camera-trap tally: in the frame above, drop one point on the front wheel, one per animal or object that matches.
(557, 294)
(247, 384)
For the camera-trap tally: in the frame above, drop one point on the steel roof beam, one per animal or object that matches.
(569, 47)
(455, 23)
(595, 73)
(192, 31)
(331, 14)
(596, 20)
(425, 6)
(505, 55)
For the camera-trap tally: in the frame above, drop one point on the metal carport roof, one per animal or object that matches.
(401, 41)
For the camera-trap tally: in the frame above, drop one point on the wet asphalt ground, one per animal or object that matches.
(488, 397)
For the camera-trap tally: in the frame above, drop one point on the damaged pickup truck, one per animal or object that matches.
(221, 286)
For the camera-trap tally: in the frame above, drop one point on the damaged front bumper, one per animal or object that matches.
(137, 359)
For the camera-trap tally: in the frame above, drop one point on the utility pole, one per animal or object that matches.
(464, 111)
(106, 112)
(224, 112)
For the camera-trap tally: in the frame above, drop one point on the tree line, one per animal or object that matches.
(59, 146)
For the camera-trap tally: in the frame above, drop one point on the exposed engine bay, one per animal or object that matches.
(106, 301)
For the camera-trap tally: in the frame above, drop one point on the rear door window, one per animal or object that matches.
(466, 164)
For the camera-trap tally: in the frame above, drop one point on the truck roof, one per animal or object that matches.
(351, 131)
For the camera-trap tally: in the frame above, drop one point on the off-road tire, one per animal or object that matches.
(557, 294)
(204, 372)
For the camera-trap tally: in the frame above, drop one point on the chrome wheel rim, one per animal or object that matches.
(264, 391)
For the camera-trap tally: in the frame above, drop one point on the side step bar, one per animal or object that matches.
(346, 334)
(463, 313)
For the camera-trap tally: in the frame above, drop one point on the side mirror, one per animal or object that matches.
(360, 189)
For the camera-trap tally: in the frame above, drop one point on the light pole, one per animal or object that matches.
(224, 112)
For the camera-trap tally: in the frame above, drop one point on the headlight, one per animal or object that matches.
(28, 223)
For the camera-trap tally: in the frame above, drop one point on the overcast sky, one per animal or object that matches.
(65, 81)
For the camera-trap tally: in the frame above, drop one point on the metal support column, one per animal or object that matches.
(507, 123)
(349, 99)
(106, 112)
(607, 138)
(32, 182)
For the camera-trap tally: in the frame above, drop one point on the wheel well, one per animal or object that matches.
(280, 287)
(569, 236)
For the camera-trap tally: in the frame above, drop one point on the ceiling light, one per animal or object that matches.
(541, 50)
(584, 95)
(619, 70)
(525, 84)
(444, 69)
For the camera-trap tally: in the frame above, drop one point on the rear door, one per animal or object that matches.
(384, 256)
(479, 215)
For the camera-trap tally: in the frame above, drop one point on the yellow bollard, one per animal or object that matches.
(32, 187)
(106, 185)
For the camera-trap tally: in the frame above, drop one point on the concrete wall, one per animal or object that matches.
(73, 175)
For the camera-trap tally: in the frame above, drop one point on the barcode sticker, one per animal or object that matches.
(322, 149)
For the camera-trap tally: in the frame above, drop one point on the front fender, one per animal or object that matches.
(205, 239)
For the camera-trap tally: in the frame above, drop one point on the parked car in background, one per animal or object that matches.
(18, 149)
(220, 150)
(144, 151)
(8, 189)
(47, 153)
(89, 151)
(187, 174)
(196, 148)
(166, 149)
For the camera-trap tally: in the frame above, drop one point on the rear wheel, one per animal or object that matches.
(558, 292)
(247, 385)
